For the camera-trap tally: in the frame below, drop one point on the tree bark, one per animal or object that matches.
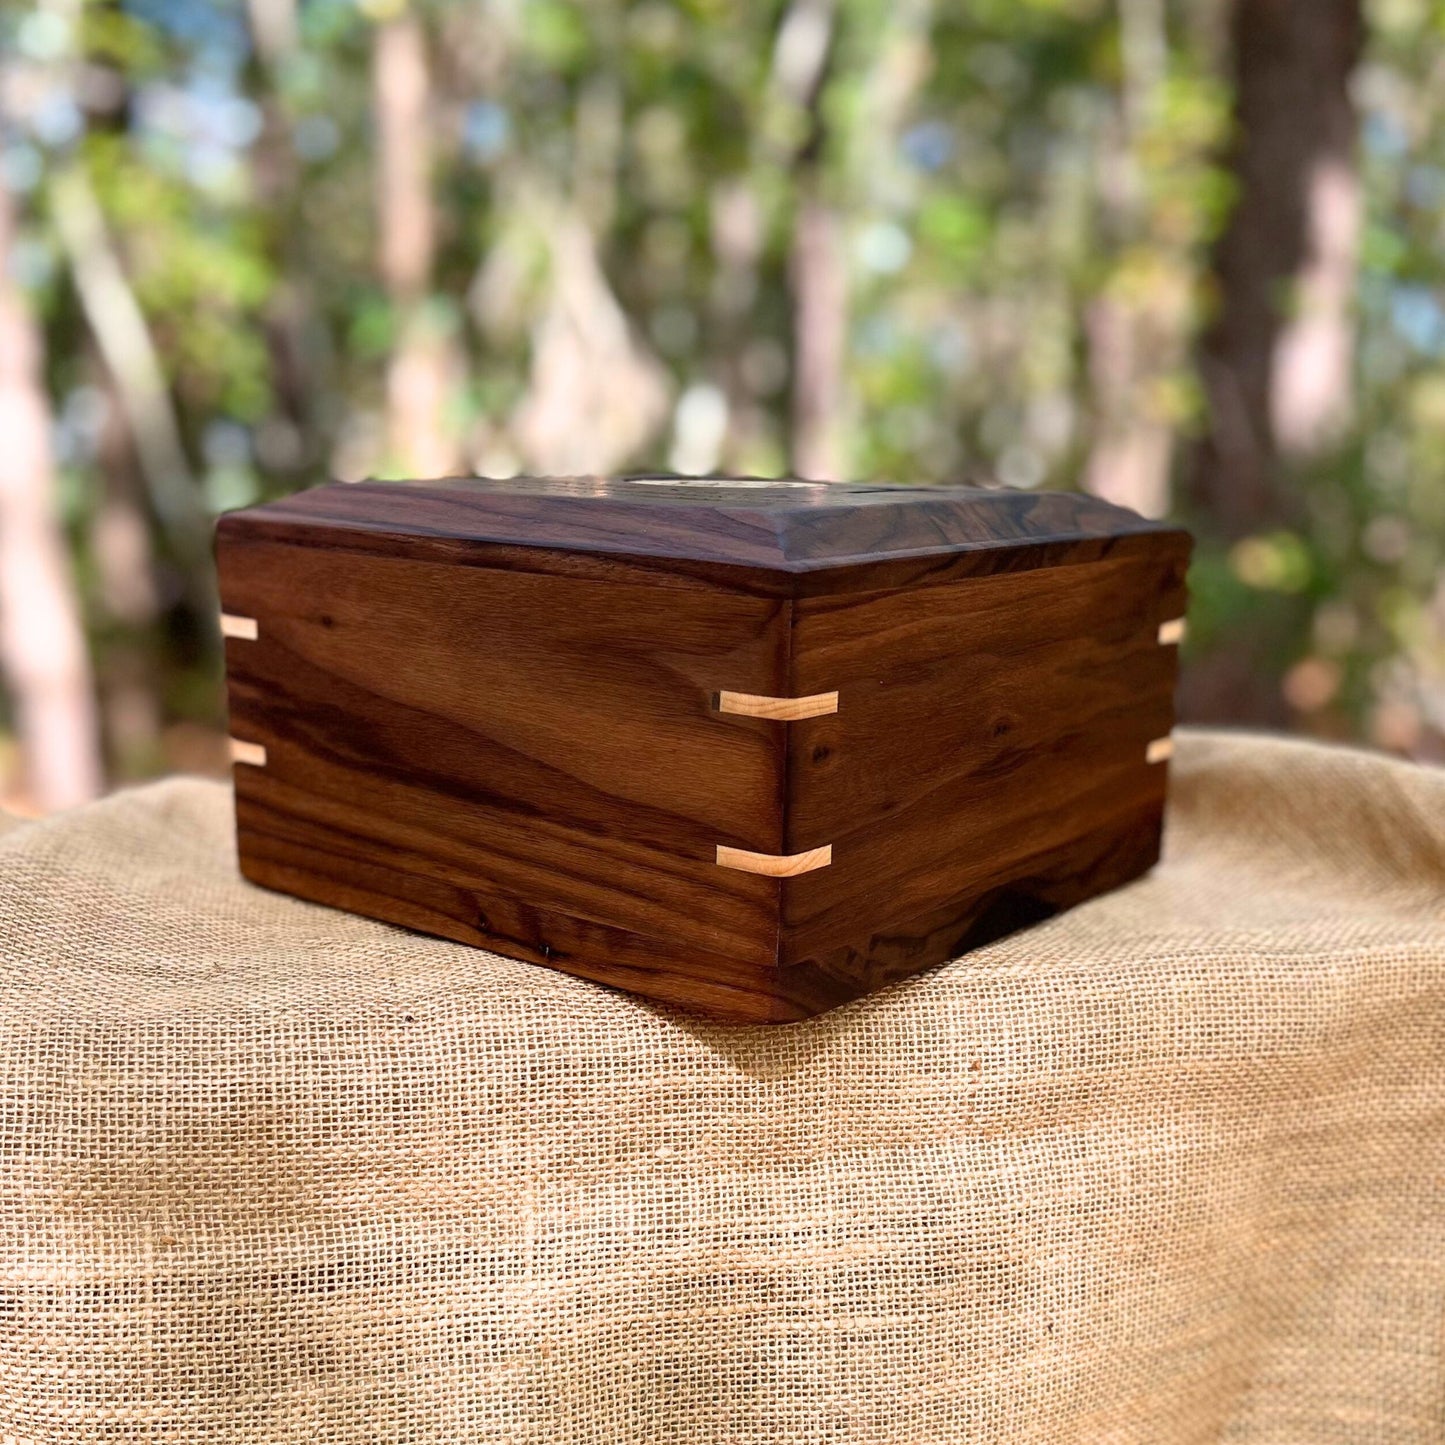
(1276, 361)
(42, 644)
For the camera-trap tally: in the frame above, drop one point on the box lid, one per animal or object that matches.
(782, 526)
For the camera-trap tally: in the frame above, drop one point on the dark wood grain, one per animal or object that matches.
(500, 724)
(981, 725)
(784, 538)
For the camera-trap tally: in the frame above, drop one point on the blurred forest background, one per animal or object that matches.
(1187, 254)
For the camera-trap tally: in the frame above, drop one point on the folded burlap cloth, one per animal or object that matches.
(1169, 1168)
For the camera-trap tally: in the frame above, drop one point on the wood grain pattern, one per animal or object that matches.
(586, 726)
(1028, 703)
(779, 709)
(770, 865)
(785, 539)
(538, 739)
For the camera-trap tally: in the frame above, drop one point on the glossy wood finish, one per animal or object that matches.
(544, 741)
(990, 762)
(523, 744)
(785, 539)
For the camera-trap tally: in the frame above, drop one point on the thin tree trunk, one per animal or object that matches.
(737, 242)
(42, 644)
(1129, 459)
(817, 266)
(1276, 362)
(421, 375)
(596, 394)
(900, 62)
(1131, 337)
(820, 332)
(296, 340)
(123, 564)
(134, 363)
(274, 29)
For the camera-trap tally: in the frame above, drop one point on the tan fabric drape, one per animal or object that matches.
(1168, 1169)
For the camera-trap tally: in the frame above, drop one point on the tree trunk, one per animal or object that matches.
(134, 362)
(817, 265)
(596, 395)
(1129, 459)
(1276, 362)
(421, 376)
(274, 29)
(42, 645)
(820, 331)
(301, 364)
(1134, 334)
(122, 559)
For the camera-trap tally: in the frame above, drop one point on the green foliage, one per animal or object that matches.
(1001, 171)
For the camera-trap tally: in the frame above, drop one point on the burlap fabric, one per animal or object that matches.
(1168, 1169)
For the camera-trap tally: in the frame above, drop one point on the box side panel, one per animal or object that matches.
(532, 763)
(997, 754)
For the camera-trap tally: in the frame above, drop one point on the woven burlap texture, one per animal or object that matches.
(1170, 1168)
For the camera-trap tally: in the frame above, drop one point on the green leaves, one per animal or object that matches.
(1025, 195)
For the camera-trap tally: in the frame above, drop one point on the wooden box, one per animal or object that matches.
(750, 747)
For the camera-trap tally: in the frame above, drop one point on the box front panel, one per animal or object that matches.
(529, 761)
(998, 753)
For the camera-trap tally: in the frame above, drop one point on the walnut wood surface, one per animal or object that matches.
(520, 745)
(509, 735)
(991, 749)
(786, 538)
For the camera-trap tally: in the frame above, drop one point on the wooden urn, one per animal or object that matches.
(750, 747)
